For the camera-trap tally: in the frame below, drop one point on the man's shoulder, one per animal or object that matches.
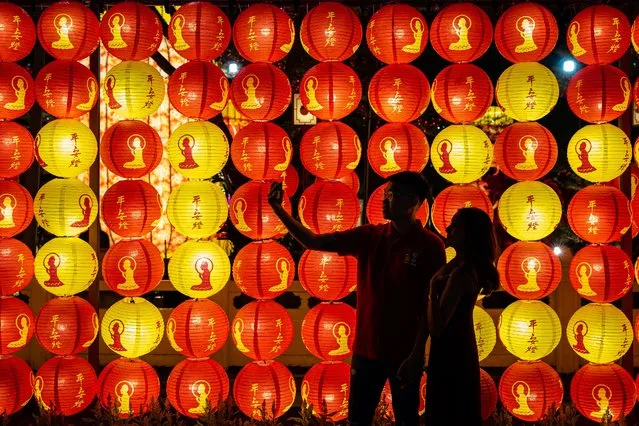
(429, 238)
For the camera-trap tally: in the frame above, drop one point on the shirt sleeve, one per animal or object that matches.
(348, 243)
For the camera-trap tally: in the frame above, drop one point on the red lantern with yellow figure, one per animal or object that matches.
(263, 33)
(199, 31)
(328, 206)
(261, 151)
(16, 209)
(330, 32)
(16, 149)
(16, 266)
(131, 31)
(328, 331)
(196, 386)
(131, 148)
(264, 384)
(454, 198)
(262, 330)
(399, 93)
(251, 213)
(326, 387)
(66, 89)
(599, 214)
(290, 180)
(397, 34)
(131, 208)
(263, 269)
(66, 325)
(16, 380)
(327, 276)
(197, 328)
(525, 151)
(261, 92)
(397, 147)
(330, 150)
(16, 325)
(128, 387)
(132, 267)
(601, 273)
(19, 36)
(330, 90)
(375, 208)
(198, 89)
(17, 91)
(634, 34)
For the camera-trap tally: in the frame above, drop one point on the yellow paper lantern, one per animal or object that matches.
(198, 149)
(599, 152)
(485, 332)
(529, 329)
(66, 147)
(197, 209)
(199, 269)
(132, 327)
(133, 89)
(599, 333)
(527, 91)
(529, 210)
(65, 207)
(462, 153)
(66, 266)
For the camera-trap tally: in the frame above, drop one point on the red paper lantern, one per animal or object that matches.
(375, 208)
(290, 180)
(599, 34)
(529, 389)
(17, 92)
(327, 276)
(330, 32)
(461, 32)
(68, 30)
(488, 394)
(66, 325)
(16, 378)
(251, 214)
(264, 389)
(199, 31)
(19, 34)
(462, 93)
(351, 180)
(131, 208)
(195, 384)
(599, 93)
(197, 328)
(128, 386)
(263, 269)
(198, 89)
(634, 178)
(601, 273)
(131, 148)
(263, 33)
(397, 147)
(16, 149)
(131, 31)
(397, 34)
(328, 331)
(65, 385)
(16, 325)
(261, 151)
(454, 198)
(387, 398)
(326, 387)
(132, 268)
(261, 92)
(328, 206)
(525, 151)
(634, 34)
(262, 330)
(16, 209)
(598, 388)
(330, 90)
(330, 150)
(599, 214)
(16, 266)
(526, 32)
(529, 270)
(399, 93)
(66, 89)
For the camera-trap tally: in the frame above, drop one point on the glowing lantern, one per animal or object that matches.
(397, 147)
(464, 153)
(529, 270)
(16, 209)
(65, 207)
(397, 34)
(132, 327)
(66, 266)
(66, 147)
(326, 387)
(330, 90)
(65, 385)
(634, 176)
(529, 329)
(66, 89)
(328, 206)
(132, 268)
(598, 35)
(461, 32)
(529, 210)
(16, 325)
(526, 32)
(327, 276)
(290, 180)
(17, 91)
(599, 214)
(263, 269)
(131, 31)
(133, 89)
(198, 149)
(328, 331)
(16, 149)
(485, 332)
(264, 384)
(636, 93)
(199, 31)
(68, 30)
(386, 399)
(634, 36)
(461, 93)
(374, 208)
(529, 389)
(131, 148)
(16, 266)
(262, 330)
(66, 325)
(195, 385)
(330, 31)
(261, 91)
(599, 93)
(197, 209)
(527, 91)
(129, 387)
(263, 33)
(453, 198)
(351, 180)
(198, 89)
(131, 208)
(261, 151)
(599, 152)
(16, 379)
(199, 269)
(399, 93)
(330, 150)
(525, 151)
(252, 215)
(197, 328)
(488, 394)
(19, 36)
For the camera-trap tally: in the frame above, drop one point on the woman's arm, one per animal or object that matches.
(441, 308)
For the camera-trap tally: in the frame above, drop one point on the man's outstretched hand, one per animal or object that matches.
(276, 195)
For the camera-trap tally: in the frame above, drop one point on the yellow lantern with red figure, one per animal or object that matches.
(16, 381)
(599, 214)
(330, 150)
(462, 153)
(262, 151)
(330, 90)
(198, 89)
(601, 273)
(397, 34)
(399, 93)
(17, 325)
(199, 269)
(529, 270)
(198, 149)
(455, 197)
(264, 389)
(197, 386)
(19, 36)
(197, 328)
(326, 275)
(16, 209)
(461, 93)
(197, 209)
(65, 207)
(326, 388)
(485, 332)
(263, 33)
(66, 89)
(263, 269)
(261, 92)
(396, 147)
(331, 32)
(328, 331)
(133, 89)
(328, 206)
(66, 147)
(17, 91)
